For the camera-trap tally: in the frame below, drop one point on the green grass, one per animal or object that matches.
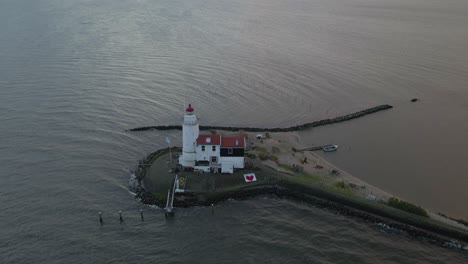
(341, 187)
(285, 166)
(159, 198)
(407, 207)
(273, 158)
(262, 156)
(307, 178)
(251, 155)
(261, 150)
(262, 153)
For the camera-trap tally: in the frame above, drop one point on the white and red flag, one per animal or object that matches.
(250, 177)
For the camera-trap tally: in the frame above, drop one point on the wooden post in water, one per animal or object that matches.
(120, 217)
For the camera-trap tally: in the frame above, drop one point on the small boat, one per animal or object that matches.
(329, 148)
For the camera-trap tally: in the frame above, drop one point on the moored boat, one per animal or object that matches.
(329, 148)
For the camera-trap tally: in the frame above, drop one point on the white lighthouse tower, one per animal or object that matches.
(190, 131)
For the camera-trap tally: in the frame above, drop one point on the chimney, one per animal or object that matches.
(237, 142)
(208, 140)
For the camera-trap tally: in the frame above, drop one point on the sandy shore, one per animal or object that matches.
(278, 147)
(276, 153)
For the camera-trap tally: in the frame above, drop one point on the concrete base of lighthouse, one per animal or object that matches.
(187, 159)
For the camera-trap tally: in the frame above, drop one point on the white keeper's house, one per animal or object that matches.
(210, 152)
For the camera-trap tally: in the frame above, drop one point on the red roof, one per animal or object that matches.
(213, 140)
(232, 142)
(224, 141)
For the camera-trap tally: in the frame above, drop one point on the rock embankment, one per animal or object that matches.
(384, 217)
(145, 163)
(318, 123)
(368, 211)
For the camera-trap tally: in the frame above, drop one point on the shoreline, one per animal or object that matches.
(284, 186)
(284, 167)
(427, 230)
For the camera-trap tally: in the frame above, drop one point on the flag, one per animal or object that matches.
(250, 177)
(168, 140)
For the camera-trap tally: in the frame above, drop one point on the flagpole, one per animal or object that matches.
(168, 140)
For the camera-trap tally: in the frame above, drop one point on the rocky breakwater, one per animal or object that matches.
(388, 219)
(318, 123)
(140, 173)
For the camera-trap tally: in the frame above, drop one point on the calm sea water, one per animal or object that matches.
(75, 74)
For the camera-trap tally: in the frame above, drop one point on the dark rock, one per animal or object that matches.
(277, 129)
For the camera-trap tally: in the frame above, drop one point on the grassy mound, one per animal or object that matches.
(407, 207)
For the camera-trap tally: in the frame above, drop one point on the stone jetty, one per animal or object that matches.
(318, 123)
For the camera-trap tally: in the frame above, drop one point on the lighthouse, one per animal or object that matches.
(217, 153)
(190, 132)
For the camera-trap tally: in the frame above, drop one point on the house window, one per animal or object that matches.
(202, 148)
(214, 148)
(229, 150)
(214, 159)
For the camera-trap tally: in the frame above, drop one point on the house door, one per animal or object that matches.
(214, 159)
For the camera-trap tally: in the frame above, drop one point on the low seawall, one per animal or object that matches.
(420, 228)
(369, 211)
(145, 163)
(372, 211)
(278, 129)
